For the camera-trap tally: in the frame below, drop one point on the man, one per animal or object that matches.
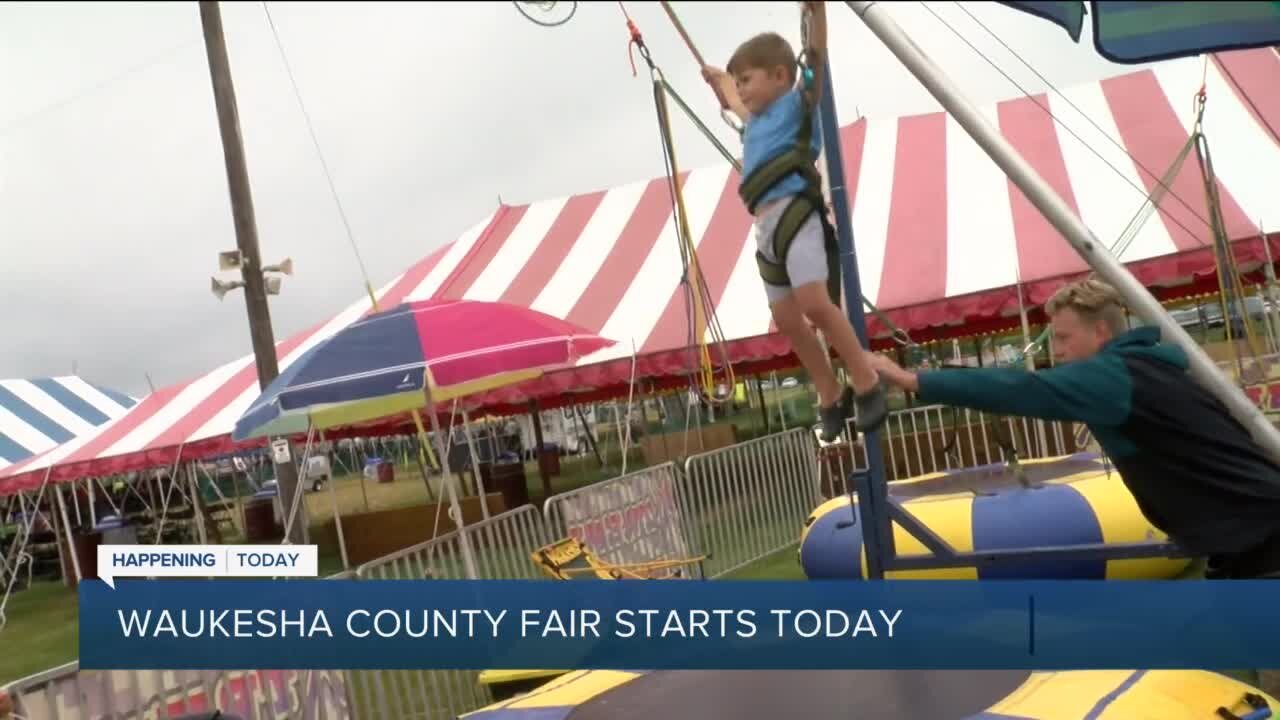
(1196, 472)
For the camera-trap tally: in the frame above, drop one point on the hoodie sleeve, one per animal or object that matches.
(1096, 391)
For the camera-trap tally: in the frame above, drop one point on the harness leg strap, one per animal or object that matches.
(794, 216)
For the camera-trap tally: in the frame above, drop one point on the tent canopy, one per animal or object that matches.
(38, 414)
(944, 242)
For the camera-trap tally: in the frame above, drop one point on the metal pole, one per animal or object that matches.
(66, 528)
(852, 294)
(475, 464)
(1271, 310)
(1059, 214)
(1029, 359)
(448, 479)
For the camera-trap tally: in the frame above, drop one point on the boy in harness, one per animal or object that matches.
(796, 244)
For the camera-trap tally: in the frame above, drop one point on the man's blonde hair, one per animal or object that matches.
(764, 52)
(1092, 300)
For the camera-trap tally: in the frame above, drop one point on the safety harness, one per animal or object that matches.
(794, 161)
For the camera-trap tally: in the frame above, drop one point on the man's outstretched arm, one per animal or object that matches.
(1096, 391)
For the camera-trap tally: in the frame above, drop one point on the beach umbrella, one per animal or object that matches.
(407, 360)
(411, 357)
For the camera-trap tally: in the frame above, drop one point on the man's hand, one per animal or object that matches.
(894, 374)
(6, 705)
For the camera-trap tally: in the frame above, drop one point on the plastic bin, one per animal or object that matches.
(116, 531)
(379, 470)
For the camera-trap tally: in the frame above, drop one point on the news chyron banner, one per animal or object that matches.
(266, 612)
(116, 561)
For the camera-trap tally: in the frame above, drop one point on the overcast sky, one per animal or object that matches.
(113, 194)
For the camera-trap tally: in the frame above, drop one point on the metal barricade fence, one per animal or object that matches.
(67, 693)
(748, 501)
(629, 519)
(502, 547)
(937, 438)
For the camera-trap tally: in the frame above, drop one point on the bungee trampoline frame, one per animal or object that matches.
(874, 508)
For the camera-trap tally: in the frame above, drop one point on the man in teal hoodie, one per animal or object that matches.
(1196, 472)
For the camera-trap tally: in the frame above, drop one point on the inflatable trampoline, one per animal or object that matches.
(886, 695)
(1070, 500)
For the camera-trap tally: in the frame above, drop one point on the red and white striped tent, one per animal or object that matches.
(943, 242)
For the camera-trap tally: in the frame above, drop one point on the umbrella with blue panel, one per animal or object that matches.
(407, 360)
(1150, 31)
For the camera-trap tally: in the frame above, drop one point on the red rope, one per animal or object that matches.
(637, 41)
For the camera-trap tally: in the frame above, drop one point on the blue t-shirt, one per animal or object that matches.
(773, 132)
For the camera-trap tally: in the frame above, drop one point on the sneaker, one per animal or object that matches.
(873, 409)
(835, 416)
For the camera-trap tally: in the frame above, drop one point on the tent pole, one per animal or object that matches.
(1060, 215)
(66, 528)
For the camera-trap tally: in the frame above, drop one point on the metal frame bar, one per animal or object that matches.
(878, 511)
(1064, 220)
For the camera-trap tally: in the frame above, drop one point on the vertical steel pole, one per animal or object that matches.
(1060, 215)
(878, 536)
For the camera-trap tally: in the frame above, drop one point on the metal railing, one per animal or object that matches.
(937, 438)
(748, 501)
(630, 519)
(66, 693)
(502, 547)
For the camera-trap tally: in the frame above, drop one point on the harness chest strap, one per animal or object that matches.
(797, 211)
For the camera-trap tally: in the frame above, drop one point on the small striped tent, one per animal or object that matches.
(42, 413)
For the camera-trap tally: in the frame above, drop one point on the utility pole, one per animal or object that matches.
(251, 269)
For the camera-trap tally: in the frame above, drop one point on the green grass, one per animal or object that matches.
(782, 565)
(42, 632)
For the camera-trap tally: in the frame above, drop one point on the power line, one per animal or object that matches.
(101, 85)
(364, 273)
(1095, 125)
(1064, 126)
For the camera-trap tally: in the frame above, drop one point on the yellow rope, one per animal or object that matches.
(693, 272)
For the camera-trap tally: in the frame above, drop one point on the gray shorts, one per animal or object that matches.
(806, 260)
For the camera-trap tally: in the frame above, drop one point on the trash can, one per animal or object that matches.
(549, 460)
(379, 470)
(85, 546)
(508, 478)
(260, 512)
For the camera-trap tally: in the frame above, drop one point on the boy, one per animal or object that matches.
(796, 248)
